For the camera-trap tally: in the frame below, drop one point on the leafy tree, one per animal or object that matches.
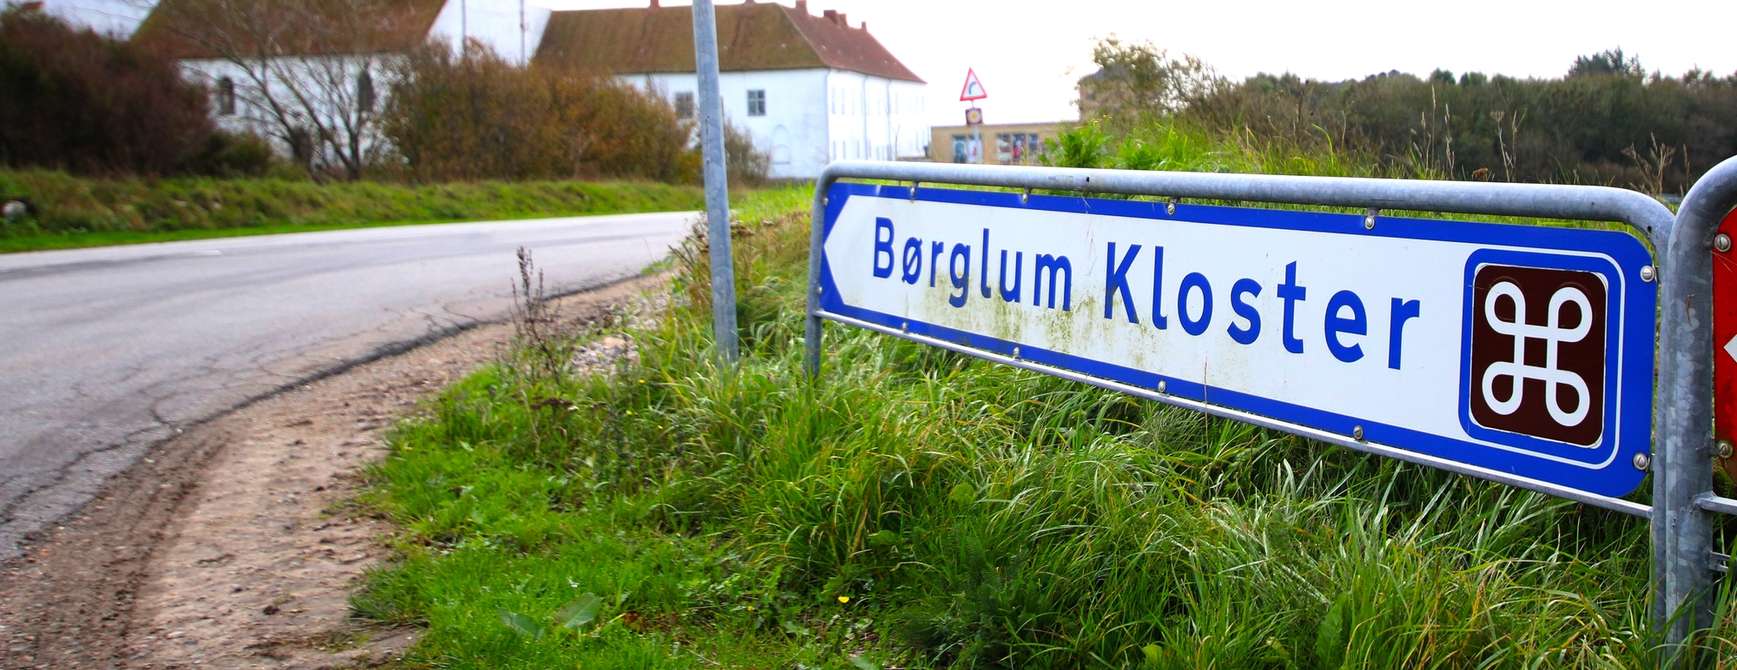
(1610, 62)
(1139, 80)
(84, 102)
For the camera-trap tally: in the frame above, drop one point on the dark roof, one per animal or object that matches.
(193, 29)
(752, 36)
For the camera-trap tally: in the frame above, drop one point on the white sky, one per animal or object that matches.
(1030, 52)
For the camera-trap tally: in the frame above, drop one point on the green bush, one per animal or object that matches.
(84, 102)
(233, 155)
(479, 117)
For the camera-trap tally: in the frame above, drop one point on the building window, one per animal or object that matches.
(365, 92)
(226, 97)
(757, 103)
(684, 104)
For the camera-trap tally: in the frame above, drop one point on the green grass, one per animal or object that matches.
(83, 212)
(916, 508)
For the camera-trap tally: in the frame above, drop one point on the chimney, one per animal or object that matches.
(842, 21)
(831, 15)
(802, 6)
(655, 5)
(865, 26)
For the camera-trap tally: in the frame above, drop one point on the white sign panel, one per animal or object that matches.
(1519, 349)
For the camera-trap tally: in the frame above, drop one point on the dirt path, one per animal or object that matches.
(235, 543)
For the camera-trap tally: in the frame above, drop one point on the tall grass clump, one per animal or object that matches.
(917, 508)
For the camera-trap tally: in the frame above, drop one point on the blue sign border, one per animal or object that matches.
(1637, 299)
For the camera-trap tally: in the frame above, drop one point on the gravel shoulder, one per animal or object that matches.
(237, 543)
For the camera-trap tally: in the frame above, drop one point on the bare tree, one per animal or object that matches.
(303, 71)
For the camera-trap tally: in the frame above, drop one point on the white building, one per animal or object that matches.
(808, 89)
(330, 70)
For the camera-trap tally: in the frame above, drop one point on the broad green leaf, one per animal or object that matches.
(580, 612)
(522, 624)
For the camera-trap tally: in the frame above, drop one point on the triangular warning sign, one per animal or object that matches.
(973, 88)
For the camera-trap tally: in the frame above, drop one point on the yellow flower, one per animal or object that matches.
(844, 600)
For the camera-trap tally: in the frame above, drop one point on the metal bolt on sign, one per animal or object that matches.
(1676, 440)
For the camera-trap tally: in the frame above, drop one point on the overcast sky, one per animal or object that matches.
(1029, 52)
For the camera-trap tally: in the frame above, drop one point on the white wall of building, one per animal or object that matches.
(120, 18)
(249, 118)
(814, 117)
(874, 118)
(495, 23)
(793, 132)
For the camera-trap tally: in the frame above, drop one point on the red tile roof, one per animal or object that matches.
(752, 36)
(190, 28)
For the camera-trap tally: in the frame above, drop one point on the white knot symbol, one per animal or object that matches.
(1553, 335)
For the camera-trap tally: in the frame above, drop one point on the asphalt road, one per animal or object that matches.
(105, 352)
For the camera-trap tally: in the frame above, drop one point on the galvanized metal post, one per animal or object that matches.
(811, 330)
(1683, 570)
(717, 180)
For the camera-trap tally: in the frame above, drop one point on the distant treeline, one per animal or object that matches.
(1607, 121)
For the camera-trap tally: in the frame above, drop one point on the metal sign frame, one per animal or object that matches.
(1684, 561)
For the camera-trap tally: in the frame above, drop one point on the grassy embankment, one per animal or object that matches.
(921, 509)
(82, 212)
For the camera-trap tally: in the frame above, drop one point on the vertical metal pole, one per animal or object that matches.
(811, 330)
(1683, 572)
(717, 180)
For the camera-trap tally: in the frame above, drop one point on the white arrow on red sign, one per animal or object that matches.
(1725, 337)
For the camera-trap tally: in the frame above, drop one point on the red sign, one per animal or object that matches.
(973, 88)
(1725, 337)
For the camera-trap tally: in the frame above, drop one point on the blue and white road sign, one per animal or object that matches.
(1521, 350)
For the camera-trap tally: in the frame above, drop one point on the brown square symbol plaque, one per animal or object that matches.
(1537, 352)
